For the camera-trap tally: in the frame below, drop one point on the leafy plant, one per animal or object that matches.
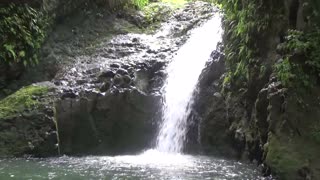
(244, 22)
(140, 3)
(299, 74)
(156, 12)
(284, 71)
(22, 30)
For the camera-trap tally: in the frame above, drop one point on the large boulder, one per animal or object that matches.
(114, 123)
(26, 122)
(292, 148)
(210, 124)
(114, 111)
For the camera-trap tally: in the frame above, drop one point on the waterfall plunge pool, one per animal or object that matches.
(150, 165)
(165, 163)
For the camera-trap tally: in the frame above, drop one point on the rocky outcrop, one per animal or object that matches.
(263, 121)
(119, 117)
(107, 73)
(26, 122)
(210, 111)
(114, 94)
(293, 125)
(281, 133)
(72, 27)
(114, 123)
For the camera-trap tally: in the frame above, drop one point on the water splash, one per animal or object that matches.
(183, 73)
(152, 165)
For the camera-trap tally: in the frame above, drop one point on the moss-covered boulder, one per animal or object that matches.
(26, 123)
(23, 99)
(293, 157)
(293, 149)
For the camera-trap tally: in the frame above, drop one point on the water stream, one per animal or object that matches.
(183, 73)
(165, 162)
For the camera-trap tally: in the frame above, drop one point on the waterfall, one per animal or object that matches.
(183, 73)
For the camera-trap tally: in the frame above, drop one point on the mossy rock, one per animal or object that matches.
(283, 159)
(25, 98)
(26, 123)
(293, 158)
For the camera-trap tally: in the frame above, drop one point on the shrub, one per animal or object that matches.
(300, 73)
(22, 30)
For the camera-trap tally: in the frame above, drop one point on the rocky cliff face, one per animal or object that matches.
(118, 116)
(259, 118)
(26, 122)
(105, 72)
(210, 112)
(58, 18)
(46, 14)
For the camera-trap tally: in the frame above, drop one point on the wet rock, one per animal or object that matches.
(81, 81)
(127, 79)
(125, 66)
(135, 40)
(106, 86)
(107, 74)
(109, 88)
(288, 134)
(68, 93)
(93, 71)
(122, 71)
(154, 51)
(118, 80)
(209, 115)
(24, 129)
(114, 65)
(116, 123)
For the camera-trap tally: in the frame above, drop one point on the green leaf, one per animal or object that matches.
(22, 54)
(10, 49)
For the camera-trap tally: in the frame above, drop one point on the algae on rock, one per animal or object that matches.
(22, 100)
(26, 125)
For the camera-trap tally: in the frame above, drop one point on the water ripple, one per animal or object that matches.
(151, 165)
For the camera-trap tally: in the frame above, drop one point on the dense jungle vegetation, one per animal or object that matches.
(264, 104)
(24, 28)
(247, 21)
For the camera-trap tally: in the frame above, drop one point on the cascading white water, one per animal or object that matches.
(183, 73)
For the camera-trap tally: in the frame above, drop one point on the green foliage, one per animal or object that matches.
(283, 158)
(156, 12)
(284, 71)
(21, 100)
(245, 21)
(140, 3)
(22, 30)
(304, 71)
(292, 75)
